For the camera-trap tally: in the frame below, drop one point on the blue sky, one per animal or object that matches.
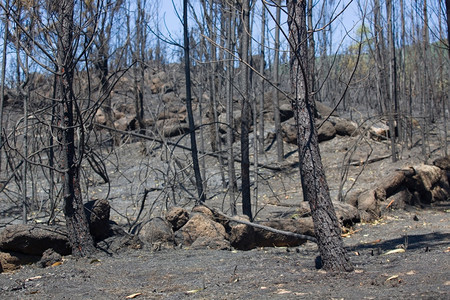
(346, 23)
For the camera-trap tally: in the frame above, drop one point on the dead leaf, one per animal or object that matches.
(283, 291)
(33, 278)
(193, 291)
(132, 296)
(412, 272)
(401, 250)
(350, 232)
(392, 277)
(95, 260)
(373, 242)
(58, 263)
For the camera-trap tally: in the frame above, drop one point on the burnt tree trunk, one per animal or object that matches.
(187, 69)
(245, 123)
(76, 221)
(314, 184)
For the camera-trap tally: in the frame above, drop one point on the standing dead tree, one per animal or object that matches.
(315, 187)
(69, 121)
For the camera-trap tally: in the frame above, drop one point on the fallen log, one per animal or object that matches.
(283, 232)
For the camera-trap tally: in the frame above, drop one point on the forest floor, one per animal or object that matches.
(418, 268)
(420, 272)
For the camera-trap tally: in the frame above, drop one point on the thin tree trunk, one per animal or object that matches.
(261, 70)
(426, 99)
(245, 123)
(393, 104)
(379, 54)
(312, 56)
(314, 184)
(139, 68)
(276, 96)
(2, 83)
(76, 221)
(447, 9)
(25, 145)
(230, 108)
(187, 69)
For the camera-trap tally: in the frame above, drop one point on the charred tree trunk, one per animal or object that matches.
(231, 22)
(314, 184)
(447, 9)
(2, 83)
(393, 104)
(76, 221)
(187, 69)
(261, 70)
(245, 123)
(276, 101)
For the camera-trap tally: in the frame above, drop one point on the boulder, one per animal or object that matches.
(346, 213)
(167, 88)
(97, 213)
(169, 97)
(164, 115)
(286, 112)
(172, 127)
(49, 257)
(200, 226)
(289, 132)
(177, 217)
(368, 205)
(213, 215)
(34, 239)
(326, 131)
(211, 243)
(400, 199)
(379, 131)
(118, 114)
(10, 261)
(264, 238)
(345, 127)
(158, 234)
(100, 117)
(443, 163)
(430, 183)
(324, 110)
(237, 117)
(158, 82)
(242, 236)
(392, 183)
(125, 109)
(119, 240)
(126, 123)
(203, 210)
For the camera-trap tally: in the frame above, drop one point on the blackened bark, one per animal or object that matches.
(245, 123)
(276, 96)
(447, 9)
(393, 104)
(76, 221)
(314, 184)
(231, 15)
(196, 166)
